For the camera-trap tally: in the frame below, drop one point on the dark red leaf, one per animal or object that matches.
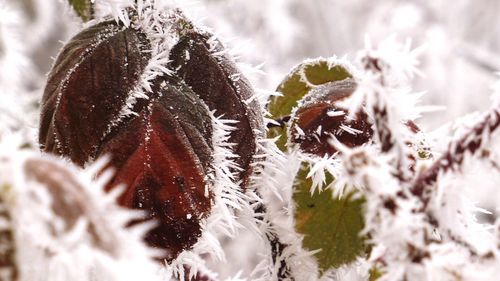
(316, 120)
(88, 86)
(163, 155)
(200, 60)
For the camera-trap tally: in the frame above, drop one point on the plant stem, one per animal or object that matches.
(451, 160)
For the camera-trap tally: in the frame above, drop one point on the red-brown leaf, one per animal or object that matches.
(200, 60)
(317, 127)
(163, 155)
(87, 88)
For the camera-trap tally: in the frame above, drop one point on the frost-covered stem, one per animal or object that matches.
(402, 233)
(382, 123)
(469, 143)
(379, 109)
(399, 235)
(419, 243)
(416, 251)
(451, 160)
(277, 247)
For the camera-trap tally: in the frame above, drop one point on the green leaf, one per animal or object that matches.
(375, 274)
(330, 224)
(296, 85)
(83, 8)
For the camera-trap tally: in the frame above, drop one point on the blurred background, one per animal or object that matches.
(461, 39)
(459, 62)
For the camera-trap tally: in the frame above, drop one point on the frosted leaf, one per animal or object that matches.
(331, 226)
(312, 123)
(214, 77)
(80, 87)
(163, 156)
(300, 81)
(66, 226)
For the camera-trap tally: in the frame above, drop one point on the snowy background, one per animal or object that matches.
(458, 65)
(460, 38)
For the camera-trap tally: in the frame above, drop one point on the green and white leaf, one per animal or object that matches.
(302, 79)
(331, 225)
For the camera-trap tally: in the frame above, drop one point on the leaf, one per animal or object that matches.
(8, 261)
(163, 154)
(83, 8)
(332, 225)
(88, 87)
(320, 116)
(296, 85)
(375, 274)
(200, 60)
(70, 202)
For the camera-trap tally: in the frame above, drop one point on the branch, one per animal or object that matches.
(451, 160)
(382, 122)
(277, 247)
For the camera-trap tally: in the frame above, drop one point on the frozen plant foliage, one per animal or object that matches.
(65, 226)
(346, 185)
(172, 94)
